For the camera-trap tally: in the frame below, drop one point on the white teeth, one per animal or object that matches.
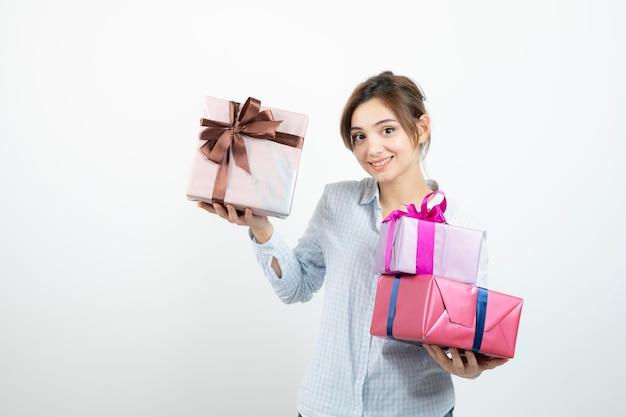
(381, 163)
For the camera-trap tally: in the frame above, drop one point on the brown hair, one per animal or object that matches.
(401, 94)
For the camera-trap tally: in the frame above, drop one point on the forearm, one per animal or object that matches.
(292, 279)
(262, 235)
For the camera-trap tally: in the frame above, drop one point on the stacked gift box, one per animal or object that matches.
(247, 156)
(427, 292)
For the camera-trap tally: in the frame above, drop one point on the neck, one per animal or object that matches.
(395, 196)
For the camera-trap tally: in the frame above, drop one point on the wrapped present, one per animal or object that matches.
(248, 156)
(422, 242)
(430, 309)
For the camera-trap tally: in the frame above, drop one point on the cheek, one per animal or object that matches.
(360, 154)
(361, 159)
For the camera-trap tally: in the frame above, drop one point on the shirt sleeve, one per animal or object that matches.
(303, 267)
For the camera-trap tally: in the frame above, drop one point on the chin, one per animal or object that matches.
(381, 177)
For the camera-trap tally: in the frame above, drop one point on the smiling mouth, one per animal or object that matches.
(380, 164)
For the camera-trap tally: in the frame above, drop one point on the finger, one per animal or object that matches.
(430, 350)
(493, 362)
(457, 360)
(221, 211)
(438, 354)
(435, 355)
(247, 215)
(233, 216)
(471, 359)
(206, 206)
(218, 208)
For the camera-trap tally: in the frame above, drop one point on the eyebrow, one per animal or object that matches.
(380, 122)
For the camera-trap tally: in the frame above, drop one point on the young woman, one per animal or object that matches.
(352, 373)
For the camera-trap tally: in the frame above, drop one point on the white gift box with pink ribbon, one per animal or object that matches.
(422, 242)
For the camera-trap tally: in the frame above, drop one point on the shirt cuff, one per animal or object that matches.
(263, 247)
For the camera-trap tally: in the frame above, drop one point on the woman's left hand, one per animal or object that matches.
(469, 367)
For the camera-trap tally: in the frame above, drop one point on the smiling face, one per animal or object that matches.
(382, 146)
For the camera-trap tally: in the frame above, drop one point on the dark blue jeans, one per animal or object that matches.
(447, 415)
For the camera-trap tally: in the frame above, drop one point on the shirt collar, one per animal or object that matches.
(370, 191)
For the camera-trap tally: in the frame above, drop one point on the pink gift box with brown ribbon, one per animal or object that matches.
(247, 156)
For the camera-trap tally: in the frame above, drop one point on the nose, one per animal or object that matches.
(375, 145)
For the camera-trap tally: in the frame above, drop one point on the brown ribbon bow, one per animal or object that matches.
(222, 136)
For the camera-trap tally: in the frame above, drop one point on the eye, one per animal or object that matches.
(357, 137)
(388, 130)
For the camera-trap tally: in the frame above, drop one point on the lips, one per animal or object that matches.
(380, 163)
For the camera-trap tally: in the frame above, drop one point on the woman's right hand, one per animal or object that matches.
(260, 226)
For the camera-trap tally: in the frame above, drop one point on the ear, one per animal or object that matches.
(423, 127)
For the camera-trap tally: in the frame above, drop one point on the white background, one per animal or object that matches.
(118, 297)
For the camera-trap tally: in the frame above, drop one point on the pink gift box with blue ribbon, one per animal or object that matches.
(422, 242)
(429, 309)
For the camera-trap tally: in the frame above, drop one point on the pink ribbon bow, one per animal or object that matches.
(434, 214)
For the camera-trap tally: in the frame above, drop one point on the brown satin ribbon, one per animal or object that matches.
(222, 136)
